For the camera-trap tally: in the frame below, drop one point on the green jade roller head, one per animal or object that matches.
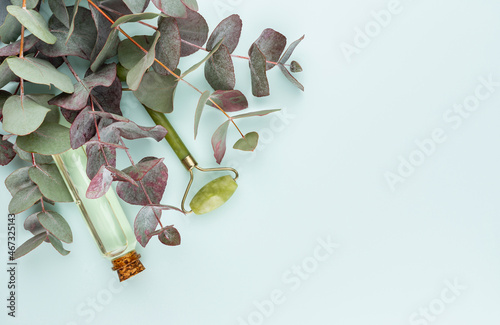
(213, 194)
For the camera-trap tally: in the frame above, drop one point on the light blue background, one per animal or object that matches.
(319, 177)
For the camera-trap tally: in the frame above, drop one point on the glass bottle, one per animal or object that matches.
(104, 216)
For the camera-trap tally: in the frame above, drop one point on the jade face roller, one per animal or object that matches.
(213, 194)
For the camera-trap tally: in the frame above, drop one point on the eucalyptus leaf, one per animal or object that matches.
(290, 50)
(170, 236)
(18, 180)
(109, 98)
(199, 109)
(260, 84)
(58, 8)
(228, 30)
(7, 152)
(71, 27)
(54, 223)
(33, 225)
(40, 71)
(107, 51)
(27, 156)
(102, 181)
(14, 48)
(29, 245)
(6, 75)
(48, 139)
(295, 67)
(172, 8)
(219, 70)
(10, 29)
(145, 224)
(248, 143)
(289, 76)
(168, 48)
(129, 54)
(136, 73)
(95, 158)
(257, 113)
(24, 199)
(197, 65)
(229, 100)
(34, 22)
(139, 170)
(131, 18)
(191, 4)
(271, 44)
(193, 31)
(22, 115)
(83, 128)
(104, 30)
(163, 88)
(50, 182)
(56, 243)
(136, 6)
(219, 141)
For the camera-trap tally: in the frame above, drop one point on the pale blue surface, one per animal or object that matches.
(319, 177)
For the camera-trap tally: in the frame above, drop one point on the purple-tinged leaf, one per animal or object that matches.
(198, 64)
(168, 48)
(260, 84)
(83, 128)
(54, 223)
(33, 225)
(58, 8)
(114, 8)
(105, 45)
(154, 183)
(6, 75)
(110, 116)
(24, 199)
(163, 88)
(229, 30)
(295, 67)
(29, 245)
(219, 141)
(289, 76)
(95, 158)
(82, 41)
(136, 6)
(229, 100)
(57, 244)
(199, 109)
(71, 27)
(191, 4)
(257, 113)
(109, 98)
(18, 180)
(141, 169)
(170, 236)
(121, 176)
(172, 8)
(134, 76)
(219, 70)
(145, 224)
(7, 152)
(290, 50)
(193, 31)
(248, 143)
(69, 115)
(132, 131)
(79, 98)
(100, 184)
(271, 44)
(13, 49)
(4, 95)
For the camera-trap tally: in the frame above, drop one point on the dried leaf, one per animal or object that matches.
(22, 115)
(290, 50)
(199, 109)
(228, 30)
(154, 183)
(289, 76)
(170, 236)
(219, 141)
(248, 143)
(260, 84)
(48, 139)
(54, 223)
(162, 86)
(34, 22)
(229, 100)
(193, 31)
(40, 71)
(168, 48)
(271, 44)
(29, 245)
(135, 74)
(50, 182)
(219, 70)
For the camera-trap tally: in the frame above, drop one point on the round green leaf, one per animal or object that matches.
(24, 199)
(34, 22)
(248, 143)
(50, 183)
(48, 139)
(56, 225)
(22, 115)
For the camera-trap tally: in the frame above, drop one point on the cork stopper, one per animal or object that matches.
(127, 265)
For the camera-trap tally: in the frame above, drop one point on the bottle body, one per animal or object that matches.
(104, 216)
